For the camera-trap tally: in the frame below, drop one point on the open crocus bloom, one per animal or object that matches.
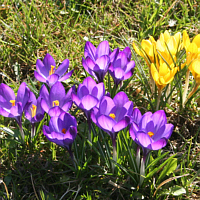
(62, 130)
(113, 115)
(88, 95)
(47, 72)
(56, 101)
(122, 68)
(34, 112)
(151, 131)
(11, 106)
(96, 60)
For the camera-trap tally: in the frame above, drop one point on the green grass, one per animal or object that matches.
(42, 170)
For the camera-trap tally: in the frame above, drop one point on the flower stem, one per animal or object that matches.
(158, 98)
(32, 130)
(138, 157)
(21, 131)
(186, 87)
(114, 154)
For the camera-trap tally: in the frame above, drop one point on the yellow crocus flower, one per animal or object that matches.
(162, 74)
(195, 69)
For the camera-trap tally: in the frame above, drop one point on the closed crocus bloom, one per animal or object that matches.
(12, 106)
(47, 72)
(152, 131)
(162, 74)
(56, 101)
(62, 130)
(113, 115)
(147, 51)
(96, 60)
(122, 68)
(34, 112)
(88, 95)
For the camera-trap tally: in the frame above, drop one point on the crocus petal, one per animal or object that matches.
(106, 105)
(158, 144)
(120, 99)
(106, 123)
(55, 111)
(143, 139)
(89, 102)
(136, 116)
(45, 106)
(89, 50)
(119, 73)
(41, 69)
(120, 125)
(133, 130)
(48, 62)
(4, 112)
(57, 92)
(76, 99)
(66, 76)
(62, 67)
(52, 79)
(127, 52)
(7, 92)
(70, 135)
(102, 49)
(130, 66)
(102, 63)
(39, 77)
(160, 119)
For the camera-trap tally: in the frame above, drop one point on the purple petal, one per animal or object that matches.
(102, 49)
(52, 79)
(75, 99)
(62, 67)
(158, 144)
(89, 102)
(39, 77)
(114, 54)
(159, 118)
(45, 106)
(120, 99)
(130, 66)
(102, 63)
(55, 111)
(57, 92)
(41, 69)
(48, 62)
(106, 105)
(98, 91)
(144, 120)
(144, 139)
(133, 130)
(7, 92)
(136, 116)
(89, 83)
(119, 73)
(66, 76)
(89, 50)
(127, 52)
(120, 125)
(106, 123)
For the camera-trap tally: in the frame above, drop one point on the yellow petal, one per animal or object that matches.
(196, 40)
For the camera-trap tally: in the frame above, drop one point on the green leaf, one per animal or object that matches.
(177, 190)
(168, 169)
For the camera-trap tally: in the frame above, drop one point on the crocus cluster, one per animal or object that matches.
(160, 56)
(99, 60)
(150, 131)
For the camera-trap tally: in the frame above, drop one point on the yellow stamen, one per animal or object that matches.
(13, 102)
(112, 115)
(52, 70)
(64, 130)
(33, 110)
(55, 103)
(150, 133)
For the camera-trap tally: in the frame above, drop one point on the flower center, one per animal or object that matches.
(13, 102)
(55, 103)
(112, 115)
(33, 110)
(150, 134)
(64, 130)
(52, 70)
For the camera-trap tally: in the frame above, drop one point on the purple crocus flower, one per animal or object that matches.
(121, 68)
(97, 60)
(56, 101)
(34, 112)
(11, 106)
(89, 93)
(113, 115)
(150, 131)
(47, 72)
(62, 130)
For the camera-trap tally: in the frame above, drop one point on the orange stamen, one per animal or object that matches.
(150, 134)
(33, 110)
(112, 115)
(13, 102)
(64, 130)
(55, 103)
(51, 71)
